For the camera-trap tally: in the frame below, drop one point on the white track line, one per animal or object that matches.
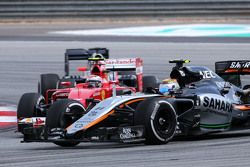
(8, 119)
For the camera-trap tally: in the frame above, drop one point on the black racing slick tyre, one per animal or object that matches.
(149, 82)
(62, 114)
(28, 106)
(159, 119)
(47, 81)
(246, 98)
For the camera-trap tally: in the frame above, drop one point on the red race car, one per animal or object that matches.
(102, 78)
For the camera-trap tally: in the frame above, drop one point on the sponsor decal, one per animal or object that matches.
(220, 84)
(217, 104)
(26, 120)
(207, 74)
(78, 125)
(93, 113)
(39, 121)
(127, 134)
(120, 61)
(129, 63)
(35, 120)
(182, 73)
(238, 65)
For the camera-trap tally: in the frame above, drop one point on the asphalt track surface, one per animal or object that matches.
(21, 62)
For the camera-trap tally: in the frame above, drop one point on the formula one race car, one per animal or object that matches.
(125, 74)
(196, 101)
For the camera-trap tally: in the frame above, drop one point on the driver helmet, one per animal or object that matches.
(97, 55)
(168, 85)
(94, 81)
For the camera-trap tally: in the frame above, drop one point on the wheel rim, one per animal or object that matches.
(163, 124)
(37, 109)
(71, 114)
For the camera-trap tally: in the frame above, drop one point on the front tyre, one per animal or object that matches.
(28, 106)
(62, 114)
(159, 119)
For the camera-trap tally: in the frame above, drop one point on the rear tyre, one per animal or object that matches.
(48, 81)
(62, 114)
(149, 82)
(28, 106)
(159, 120)
(246, 87)
(246, 98)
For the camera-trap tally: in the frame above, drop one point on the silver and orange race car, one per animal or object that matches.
(202, 103)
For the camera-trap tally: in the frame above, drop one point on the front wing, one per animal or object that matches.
(129, 134)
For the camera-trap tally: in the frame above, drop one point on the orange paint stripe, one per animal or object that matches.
(246, 70)
(237, 70)
(94, 122)
(106, 115)
(132, 101)
(242, 107)
(231, 70)
(98, 120)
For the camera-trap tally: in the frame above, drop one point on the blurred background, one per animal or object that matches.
(121, 9)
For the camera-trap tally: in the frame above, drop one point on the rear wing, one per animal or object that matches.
(82, 54)
(231, 70)
(239, 67)
(129, 64)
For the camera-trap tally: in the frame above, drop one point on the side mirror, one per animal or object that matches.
(127, 92)
(226, 88)
(224, 91)
(67, 84)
